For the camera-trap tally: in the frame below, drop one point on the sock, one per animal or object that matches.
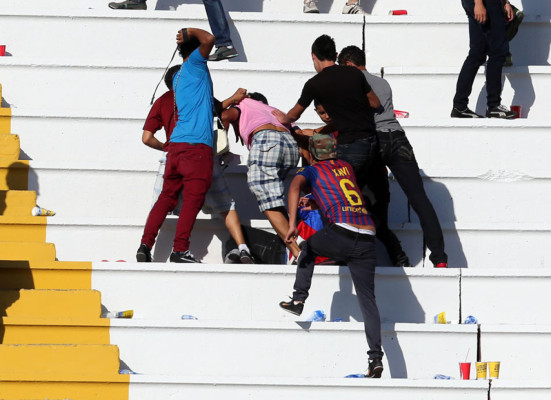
(244, 247)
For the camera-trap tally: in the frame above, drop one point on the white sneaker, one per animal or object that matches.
(353, 9)
(310, 7)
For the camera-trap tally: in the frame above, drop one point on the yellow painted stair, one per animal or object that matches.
(53, 342)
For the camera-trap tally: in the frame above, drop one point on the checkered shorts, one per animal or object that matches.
(272, 155)
(218, 198)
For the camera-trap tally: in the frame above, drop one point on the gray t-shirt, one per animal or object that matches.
(386, 119)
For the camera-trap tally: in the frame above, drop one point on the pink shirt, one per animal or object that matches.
(254, 114)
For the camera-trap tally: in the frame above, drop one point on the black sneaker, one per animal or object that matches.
(128, 5)
(245, 257)
(143, 254)
(500, 112)
(292, 306)
(223, 53)
(466, 113)
(233, 257)
(375, 368)
(183, 257)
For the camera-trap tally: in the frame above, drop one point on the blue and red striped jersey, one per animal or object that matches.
(336, 192)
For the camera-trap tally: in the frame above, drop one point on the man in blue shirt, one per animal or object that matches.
(190, 156)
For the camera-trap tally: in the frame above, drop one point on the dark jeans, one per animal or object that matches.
(218, 22)
(397, 153)
(357, 251)
(188, 170)
(364, 158)
(487, 39)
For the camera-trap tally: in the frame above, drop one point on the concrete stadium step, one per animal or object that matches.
(14, 175)
(9, 147)
(511, 390)
(143, 387)
(216, 348)
(472, 245)
(49, 303)
(128, 89)
(17, 203)
(39, 274)
(59, 362)
(16, 228)
(44, 330)
(5, 119)
(27, 251)
(522, 350)
(403, 295)
(99, 32)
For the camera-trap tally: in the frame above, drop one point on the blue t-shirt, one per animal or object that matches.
(336, 192)
(193, 88)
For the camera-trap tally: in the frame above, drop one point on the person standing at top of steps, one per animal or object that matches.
(217, 21)
(348, 238)
(350, 102)
(218, 199)
(351, 7)
(190, 156)
(487, 37)
(396, 153)
(273, 152)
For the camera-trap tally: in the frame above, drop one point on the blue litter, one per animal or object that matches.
(316, 316)
(355, 376)
(186, 316)
(470, 320)
(439, 376)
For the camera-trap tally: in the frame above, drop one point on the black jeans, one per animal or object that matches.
(487, 39)
(370, 173)
(357, 251)
(397, 153)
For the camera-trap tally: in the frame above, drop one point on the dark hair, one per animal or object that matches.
(317, 103)
(169, 76)
(353, 54)
(258, 97)
(187, 47)
(324, 48)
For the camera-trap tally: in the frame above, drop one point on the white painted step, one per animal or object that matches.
(511, 390)
(411, 40)
(403, 295)
(280, 349)
(145, 387)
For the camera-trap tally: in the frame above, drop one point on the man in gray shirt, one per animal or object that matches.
(396, 153)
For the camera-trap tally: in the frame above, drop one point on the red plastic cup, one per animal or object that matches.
(518, 110)
(398, 12)
(2, 49)
(465, 370)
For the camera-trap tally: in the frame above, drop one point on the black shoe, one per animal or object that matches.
(500, 112)
(183, 257)
(233, 257)
(466, 113)
(401, 260)
(245, 257)
(292, 306)
(128, 5)
(375, 368)
(143, 254)
(223, 53)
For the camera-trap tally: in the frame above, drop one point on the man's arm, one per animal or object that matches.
(374, 101)
(236, 98)
(293, 196)
(292, 116)
(206, 39)
(150, 140)
(231, 116)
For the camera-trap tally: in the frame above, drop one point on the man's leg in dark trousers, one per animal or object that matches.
(398, 154)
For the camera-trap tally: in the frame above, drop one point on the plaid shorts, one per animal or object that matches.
(217, 200)
(272, 155)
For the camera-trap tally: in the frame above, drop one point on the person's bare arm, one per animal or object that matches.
(231, 116)
(374, 101)
(206, 39)
(150, 140)
(292, 116)
(236, 98)
(293, 199)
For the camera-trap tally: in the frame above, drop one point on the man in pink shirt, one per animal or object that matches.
(273, 153)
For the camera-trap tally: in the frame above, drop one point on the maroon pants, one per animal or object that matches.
(188, 170)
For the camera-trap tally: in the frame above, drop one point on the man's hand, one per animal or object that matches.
(180, 37)
(292, 234)
(509, 13)
(282, 117)
(239, 95)
(480, 12)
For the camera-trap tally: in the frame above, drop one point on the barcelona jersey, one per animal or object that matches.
(336, 192)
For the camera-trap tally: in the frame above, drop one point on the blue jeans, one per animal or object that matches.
(218, 22)
(487, 39)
